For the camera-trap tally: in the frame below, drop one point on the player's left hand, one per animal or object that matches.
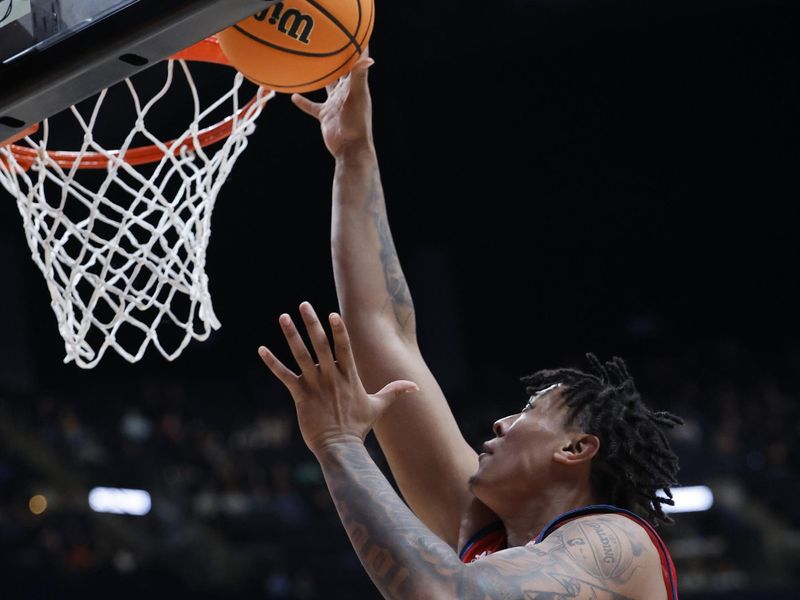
(331, 402)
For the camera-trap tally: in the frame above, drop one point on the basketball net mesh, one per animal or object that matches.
(120, 270)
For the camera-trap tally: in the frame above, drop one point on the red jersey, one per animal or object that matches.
(493, 538)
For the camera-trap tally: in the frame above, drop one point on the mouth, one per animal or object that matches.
(487, 450)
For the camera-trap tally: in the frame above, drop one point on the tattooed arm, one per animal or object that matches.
(596, 557)
(429, 458)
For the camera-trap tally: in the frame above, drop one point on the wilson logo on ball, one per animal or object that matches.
(299, 45)
(289, 21)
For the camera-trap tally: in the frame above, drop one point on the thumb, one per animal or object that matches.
(392, 391)
(306, 105)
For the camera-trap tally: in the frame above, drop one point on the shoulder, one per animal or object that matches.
(593, 556)
(615, 551)
(608, 546)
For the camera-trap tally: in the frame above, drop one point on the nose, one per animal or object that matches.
(501, 425)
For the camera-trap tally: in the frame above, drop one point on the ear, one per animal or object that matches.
(578, 448)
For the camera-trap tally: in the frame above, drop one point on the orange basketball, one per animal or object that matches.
(299, 45)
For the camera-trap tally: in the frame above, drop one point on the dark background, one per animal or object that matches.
(561, 177)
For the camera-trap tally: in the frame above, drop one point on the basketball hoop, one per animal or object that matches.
(124, 256)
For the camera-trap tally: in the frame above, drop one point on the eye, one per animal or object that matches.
(529, 405)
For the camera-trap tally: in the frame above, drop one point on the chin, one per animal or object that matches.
(476, 485)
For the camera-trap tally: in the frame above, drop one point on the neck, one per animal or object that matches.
(523, 523)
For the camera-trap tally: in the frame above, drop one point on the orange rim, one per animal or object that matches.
(207, 50)
(10, 143)
(18, 136)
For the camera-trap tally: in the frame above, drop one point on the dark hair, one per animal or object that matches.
(635, 459)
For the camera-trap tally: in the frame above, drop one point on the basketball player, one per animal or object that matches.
(561, 503)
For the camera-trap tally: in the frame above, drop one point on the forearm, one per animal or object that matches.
(402, 557)
(370, 283)
(429, 458)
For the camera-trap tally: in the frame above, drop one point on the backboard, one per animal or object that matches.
(55, 53)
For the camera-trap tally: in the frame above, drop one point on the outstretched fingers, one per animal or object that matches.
(307, 106)
(333, 359)
(285, 375)
(318, 337)
(297, 347)
(339, 87)
(341, 345)
(363, 64)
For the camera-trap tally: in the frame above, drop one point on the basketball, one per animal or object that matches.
(299, 45)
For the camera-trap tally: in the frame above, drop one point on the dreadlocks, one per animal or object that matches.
(635, 459)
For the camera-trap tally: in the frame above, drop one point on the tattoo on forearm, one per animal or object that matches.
(396, 286)
(585, 560)
(390, 541)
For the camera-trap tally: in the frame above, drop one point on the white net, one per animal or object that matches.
(123, 248)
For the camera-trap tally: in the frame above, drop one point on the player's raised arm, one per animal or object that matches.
(426, 451)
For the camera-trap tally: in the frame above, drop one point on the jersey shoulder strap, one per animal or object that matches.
(486, 541)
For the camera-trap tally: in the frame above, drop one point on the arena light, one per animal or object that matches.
(119, 501)
(693, 498)
(37, 504)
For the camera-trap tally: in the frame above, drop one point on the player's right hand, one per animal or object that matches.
(345, 116)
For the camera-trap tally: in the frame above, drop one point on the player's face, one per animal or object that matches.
(519, 460)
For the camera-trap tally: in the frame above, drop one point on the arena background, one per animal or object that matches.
(561, 177)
